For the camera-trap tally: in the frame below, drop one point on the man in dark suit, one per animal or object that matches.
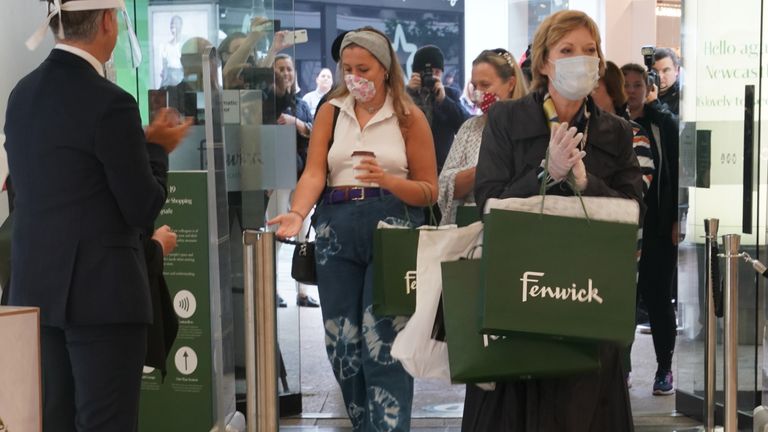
(88, 182)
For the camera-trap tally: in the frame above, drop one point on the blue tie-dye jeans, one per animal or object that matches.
(377, 390)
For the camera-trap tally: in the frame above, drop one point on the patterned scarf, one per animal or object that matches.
(580, 120)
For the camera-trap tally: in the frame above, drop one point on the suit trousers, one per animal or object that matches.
(92, 377)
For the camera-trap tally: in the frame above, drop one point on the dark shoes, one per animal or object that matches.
(306, 301)
(281, 302)
(663, 383)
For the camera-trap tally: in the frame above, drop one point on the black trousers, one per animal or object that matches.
(92, 377)
(658, 264)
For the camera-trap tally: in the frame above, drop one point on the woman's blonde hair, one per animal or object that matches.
(550, 32)
(506, 67)
(394, 80)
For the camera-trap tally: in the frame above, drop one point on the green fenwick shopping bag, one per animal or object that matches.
(563, 275)
(394, 270)
(474, 357)
(467, 215)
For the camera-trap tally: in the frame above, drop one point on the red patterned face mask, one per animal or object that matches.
(486, 101)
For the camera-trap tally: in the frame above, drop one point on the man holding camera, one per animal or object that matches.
(663, 88)
(441, 104)
(667, 67)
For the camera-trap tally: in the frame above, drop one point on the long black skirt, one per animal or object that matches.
(591, 402)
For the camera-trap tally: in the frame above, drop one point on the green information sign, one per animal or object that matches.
(184, 400)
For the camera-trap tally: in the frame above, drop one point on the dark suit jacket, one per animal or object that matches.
(86, 184)
(516, 138)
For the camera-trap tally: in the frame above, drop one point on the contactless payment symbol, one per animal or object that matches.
(184, 304)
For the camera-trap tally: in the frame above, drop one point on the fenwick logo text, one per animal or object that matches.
(410, 281)
(531, 290)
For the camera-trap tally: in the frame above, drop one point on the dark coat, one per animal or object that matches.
(662, 196)
(445, 119)
(515, 142)
(86, 185)
(672, 98)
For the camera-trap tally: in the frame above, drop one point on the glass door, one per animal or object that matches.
(722, 176)
(173, 37)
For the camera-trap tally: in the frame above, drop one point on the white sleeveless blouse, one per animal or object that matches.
(381, 135)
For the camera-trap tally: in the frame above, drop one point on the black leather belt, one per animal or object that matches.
(337, 195)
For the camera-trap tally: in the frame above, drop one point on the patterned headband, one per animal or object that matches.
(508, 57)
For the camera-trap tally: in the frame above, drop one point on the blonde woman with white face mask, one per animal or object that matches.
(589, 152)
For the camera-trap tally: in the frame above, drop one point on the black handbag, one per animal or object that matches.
(303, 266)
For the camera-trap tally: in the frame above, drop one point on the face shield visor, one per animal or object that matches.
(127, 47)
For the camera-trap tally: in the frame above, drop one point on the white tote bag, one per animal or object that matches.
(420, 355)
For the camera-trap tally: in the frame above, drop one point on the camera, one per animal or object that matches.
(653, 78)
(427, 78)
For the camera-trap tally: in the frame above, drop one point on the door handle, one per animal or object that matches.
(749, 140)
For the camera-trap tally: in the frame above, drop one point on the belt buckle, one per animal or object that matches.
(362, 193)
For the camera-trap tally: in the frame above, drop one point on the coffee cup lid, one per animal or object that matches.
(363, 153)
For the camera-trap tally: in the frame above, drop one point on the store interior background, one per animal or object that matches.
(626, 26)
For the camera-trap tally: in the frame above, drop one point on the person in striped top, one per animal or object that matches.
(609, 96)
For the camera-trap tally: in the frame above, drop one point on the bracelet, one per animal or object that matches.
(297, 213)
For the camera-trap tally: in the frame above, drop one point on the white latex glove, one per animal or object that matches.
(563, 152)
(579, 172)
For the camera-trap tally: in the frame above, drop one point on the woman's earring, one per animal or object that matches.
(386, 76)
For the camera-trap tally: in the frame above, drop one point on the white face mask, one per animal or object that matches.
(576, 77)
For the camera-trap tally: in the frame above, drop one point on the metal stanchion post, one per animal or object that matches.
(260, 331)
(731, 244)
(710, 229)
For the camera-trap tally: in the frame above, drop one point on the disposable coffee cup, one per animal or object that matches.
(357, 158)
